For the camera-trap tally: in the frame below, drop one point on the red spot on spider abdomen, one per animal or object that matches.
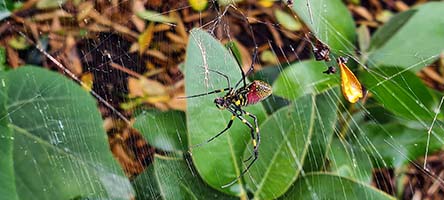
(257, 91)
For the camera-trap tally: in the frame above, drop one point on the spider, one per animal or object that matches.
(234, 100)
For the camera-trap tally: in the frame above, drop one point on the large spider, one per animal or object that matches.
(233, 101)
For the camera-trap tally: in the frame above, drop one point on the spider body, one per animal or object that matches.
(252, 93)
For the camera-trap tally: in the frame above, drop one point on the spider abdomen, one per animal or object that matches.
(257, 91)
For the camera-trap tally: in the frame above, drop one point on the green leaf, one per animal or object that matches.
(287, 21)
(389, 29)
(154, 16)
(400, 92)
(171, 178)
(332, 187)
(323, 129)
(145, 184)
(363, 38)
(303, 78)
(393, 145)
(7, 183)
(60, 148)
(48, 4)
(289, 137)
(234, 48)
(411, 40)
(163, 130)
(349, 160)
(330, 21)
(218, 162)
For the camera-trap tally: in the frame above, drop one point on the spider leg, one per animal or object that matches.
(255, 51)
(242, 80)
(229, 88)
(217, 135)
(255, 144)
(207, 93)
(222, 74)
(258, 135)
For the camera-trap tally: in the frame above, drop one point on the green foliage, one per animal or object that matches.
(172, 178)
(409, 40)
(330, 21)
(52, 135)
(295, 135)
(409, 99)
(7, 185)
(163, 130)
(330, 186)
(400, 143)
(303, 78)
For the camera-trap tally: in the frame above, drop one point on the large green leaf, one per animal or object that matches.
(330, 21)
(400, 92)
(219, 161)
(392, 145)
(350, 160)
(163, 130)
(328, 186)
(7, 184)
(288, 139)
(303, 78)
(171, 178)
(415, 44)
(60, 148)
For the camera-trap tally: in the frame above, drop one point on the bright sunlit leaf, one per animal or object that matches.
(198, 5)
(266, 3)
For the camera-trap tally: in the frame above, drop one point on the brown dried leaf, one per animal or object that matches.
(157, 54)
(138, 7)
(144, 87)
(146, 37)
(176, 103)
(363, 12)
(13, 57)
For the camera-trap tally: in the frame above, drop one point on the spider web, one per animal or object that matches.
(114, 49)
